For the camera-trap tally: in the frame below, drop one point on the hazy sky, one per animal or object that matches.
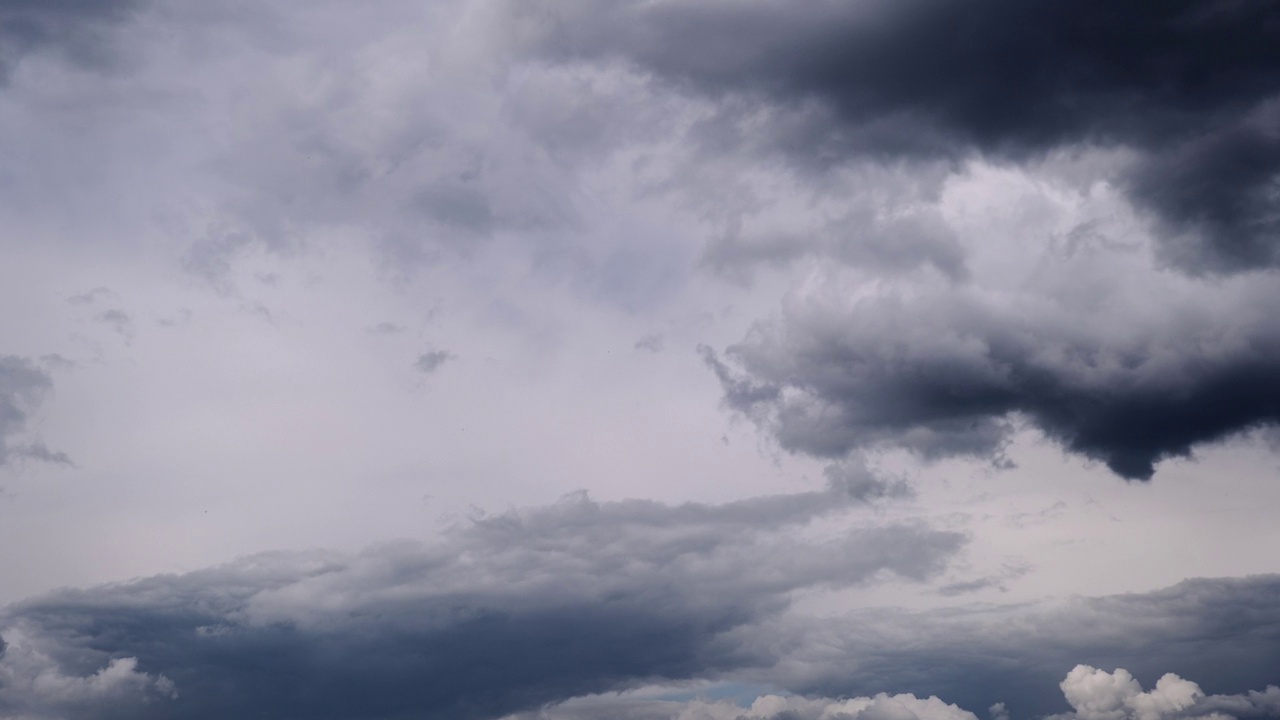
(641, 359)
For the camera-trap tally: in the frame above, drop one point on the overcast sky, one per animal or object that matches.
(639, 359)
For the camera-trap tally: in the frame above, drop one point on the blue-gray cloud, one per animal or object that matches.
(511, 612)
(75, 29)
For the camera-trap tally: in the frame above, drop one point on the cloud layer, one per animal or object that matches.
(1092, 693)
(513, 611)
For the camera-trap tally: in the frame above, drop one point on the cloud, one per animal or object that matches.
(765, 707)
(23, 388)
(34, 685)
(118, 320)
(1221, 631)
(430, 361)
(387, 328)
(855, 478)
(91, 296)
(1189, 87)
(654, 343)
(1063, 324)
(570, 603)
(1093, 694)
(1099, 695)
(72, 28)
(509, 612)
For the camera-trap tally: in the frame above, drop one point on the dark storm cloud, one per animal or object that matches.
(510, 612)
(951, 372)
(1190, 86)
(73, 28)
(23, 387)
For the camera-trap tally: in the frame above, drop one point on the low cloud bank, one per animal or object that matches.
(510, 612)
(1092, 693)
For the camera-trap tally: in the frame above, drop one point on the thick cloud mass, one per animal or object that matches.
(423, 229)
(945, 372)
(1166, 114)
(513, 611)
(1191, 86)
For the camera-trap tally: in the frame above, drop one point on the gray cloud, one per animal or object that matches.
(430, 361)
(1224, 632)
(387, 328)
(118, 320)
(855, 478)
(23, 387)
(1189, 86)
(72, 28)
(91, 296)
(945, 370)
(510, 612)
(654, 343)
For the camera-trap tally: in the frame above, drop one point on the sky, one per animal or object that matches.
(639, 359)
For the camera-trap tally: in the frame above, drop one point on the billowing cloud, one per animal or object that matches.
(1161, 141)
(1190, 87)
(33, 684)
(1064, 324)
(510, 612)
(1100, 695)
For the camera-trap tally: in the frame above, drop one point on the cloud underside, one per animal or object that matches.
(1192, 87)
(1183, 97)
(521, 611)
(512, 612)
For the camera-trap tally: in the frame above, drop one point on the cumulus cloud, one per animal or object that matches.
(510, 612)
(1099, 695)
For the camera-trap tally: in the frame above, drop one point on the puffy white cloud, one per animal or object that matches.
(1096, 694)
